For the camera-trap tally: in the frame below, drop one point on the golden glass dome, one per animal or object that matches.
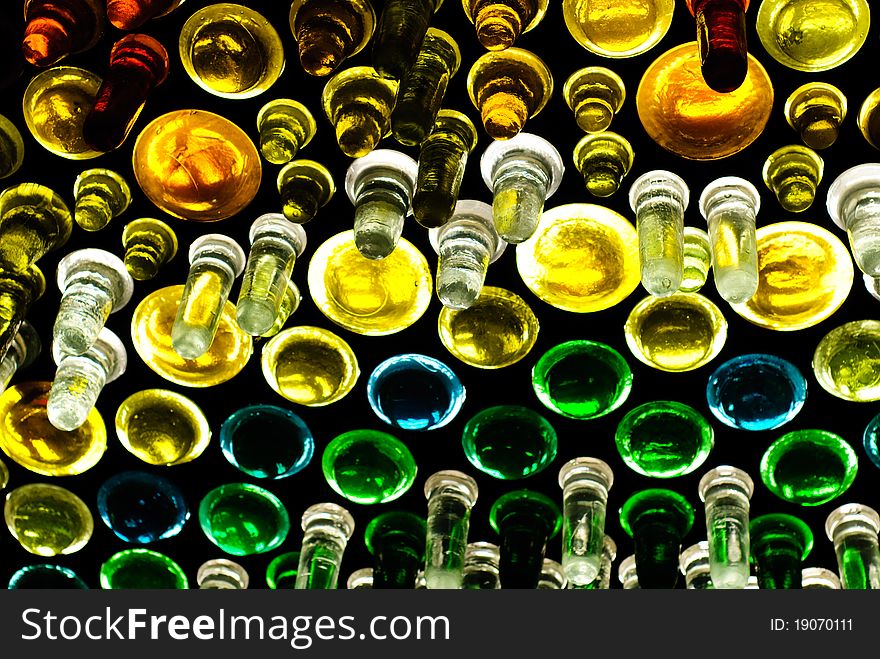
(162, 427)
(310, 366)
(618, 29)
(48, 520)
(685, 116)
(498, 330)
(196, 165)
(231, 51)
(367, 296)
(55, 105)
(581, 258)
(151, 326)
(847, 361)
(679, 332)
(805, 274)
(28, 438)
(806, 35)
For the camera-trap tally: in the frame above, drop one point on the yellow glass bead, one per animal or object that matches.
(373, 297)
(162, 427)
(11, 148)
(285, 126)
(34, 220)
(581, 258)
(196, 165)
(697, 260)
(847, 361)
(498, 330)
(816, 110)
(869, 118)
(603, 159)
(100, 195)
(358, 103)
(18, 290)
(289, 304)
(499, 23)
(56, 104)
(684, 115)
(231, 51)
(151, 326)
(793, 173)
(808, 36)
(595, 94)
(618, 29)
(310, 366)
(28, 438)
(4, 475)
(805, 274)
(149, 244)
(305, 187)
(680, 332)
(508, 87)
(48, 520)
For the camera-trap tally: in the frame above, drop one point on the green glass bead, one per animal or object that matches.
(509, 442)
(809, 467)
(582, 379)
(281, 572)
(243, 519)
(664, 439)
(657, 520)
(142, 569)
(779, 545)
(397, 541)
(368, 466)
(526, 521)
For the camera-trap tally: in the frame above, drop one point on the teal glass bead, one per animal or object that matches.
(871, 440)
(142, 507)
(265, 441)
(46, 576)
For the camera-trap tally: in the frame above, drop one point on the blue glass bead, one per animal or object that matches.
(871, 440)
(265, 441)
(140, 507)
(46, 576)
(415, 392)
(756, 392)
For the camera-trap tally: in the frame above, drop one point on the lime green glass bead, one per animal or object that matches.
(526, 521)
(142, 569)
(779, 545)
(582, 379)
(809, 467)
(243, 519)
(509, 442)
(657, 520)
(396, 539)
(281, 572)
(368, 466)
(664, 439)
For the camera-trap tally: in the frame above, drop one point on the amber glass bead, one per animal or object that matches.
(721, 34)
(685, 116)
(508, 87)
(618, 29)
(28, 438)
(55, 104)
(131, 14)
(58, 28)
(499, 23)
(196, 165)
(805, 274)
(329, 31)
(151, 326)
(138, 64)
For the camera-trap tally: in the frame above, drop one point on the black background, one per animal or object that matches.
(441, 449)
